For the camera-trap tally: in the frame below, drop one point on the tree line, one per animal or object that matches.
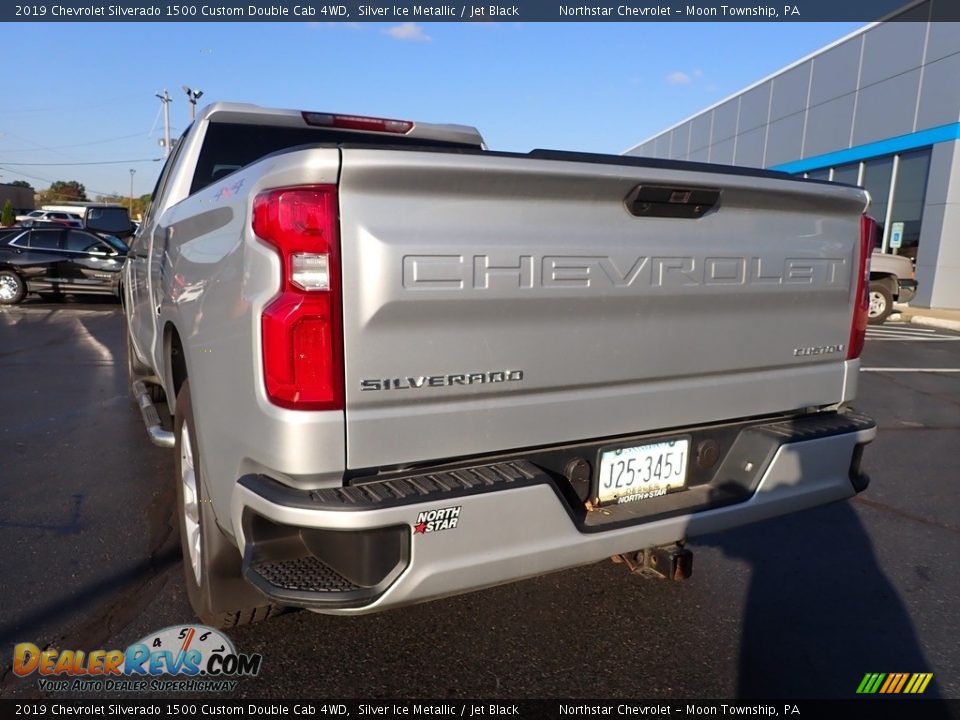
(62, 191)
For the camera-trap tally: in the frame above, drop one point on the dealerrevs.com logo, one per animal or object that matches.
(180, 658)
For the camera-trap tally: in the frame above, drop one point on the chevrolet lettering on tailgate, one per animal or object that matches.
(454, 272)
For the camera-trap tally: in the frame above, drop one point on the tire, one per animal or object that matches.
(218, 594)
(12, 288)
(881, 303)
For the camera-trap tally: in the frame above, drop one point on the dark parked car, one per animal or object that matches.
(58, 260)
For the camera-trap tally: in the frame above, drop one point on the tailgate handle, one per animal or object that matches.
(671, 201)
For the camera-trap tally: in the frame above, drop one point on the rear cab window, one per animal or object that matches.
(228, 147)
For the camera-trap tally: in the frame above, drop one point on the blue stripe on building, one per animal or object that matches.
(901, 143)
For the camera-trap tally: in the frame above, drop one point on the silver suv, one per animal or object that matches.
(55, 216)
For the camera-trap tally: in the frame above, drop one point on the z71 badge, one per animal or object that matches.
(436, 520)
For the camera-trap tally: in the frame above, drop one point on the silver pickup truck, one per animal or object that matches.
(400, 366)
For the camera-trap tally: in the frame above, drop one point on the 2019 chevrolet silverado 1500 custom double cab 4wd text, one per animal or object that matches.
(401, 366)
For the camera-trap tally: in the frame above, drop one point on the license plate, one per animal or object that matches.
(645, 471)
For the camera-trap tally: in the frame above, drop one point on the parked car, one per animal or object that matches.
(58, 260)
(35, 224)
(892, 279)
(57, 216)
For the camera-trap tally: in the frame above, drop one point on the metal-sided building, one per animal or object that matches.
(879, 108)
(20, 197)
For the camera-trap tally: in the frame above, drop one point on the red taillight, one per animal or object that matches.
(302, 347)
(358, 122)
(861, 306)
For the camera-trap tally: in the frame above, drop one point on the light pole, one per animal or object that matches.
(166, 100)
(192, 96)
(132, 171)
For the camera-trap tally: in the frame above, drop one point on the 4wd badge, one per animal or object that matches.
(436, 520)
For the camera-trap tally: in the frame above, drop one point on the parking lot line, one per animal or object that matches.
(900, 326)
(907, 338)
(907, 333)
(904, 370)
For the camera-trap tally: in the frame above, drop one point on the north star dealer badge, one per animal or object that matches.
(436, 520)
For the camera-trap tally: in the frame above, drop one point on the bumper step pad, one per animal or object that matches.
(410, 490)
(303, 574)
(413, 489)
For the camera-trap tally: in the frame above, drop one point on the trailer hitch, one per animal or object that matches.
(673, 562)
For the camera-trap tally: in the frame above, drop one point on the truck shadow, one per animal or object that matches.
(121, 587)
(820, 612)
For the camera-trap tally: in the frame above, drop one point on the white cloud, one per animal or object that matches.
(678, 77)
(408, 31)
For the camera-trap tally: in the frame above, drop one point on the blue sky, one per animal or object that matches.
(79, 93)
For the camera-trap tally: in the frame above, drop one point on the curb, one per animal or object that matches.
(935, 322)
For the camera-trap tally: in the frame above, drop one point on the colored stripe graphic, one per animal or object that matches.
(875, 685)
(894, 683)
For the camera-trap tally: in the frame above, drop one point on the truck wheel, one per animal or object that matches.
(881, 303)
(218, 594)
(12, 288)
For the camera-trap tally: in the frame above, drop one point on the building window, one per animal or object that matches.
(908, 197)
(877, 174)
(906, 174)
(847, 174)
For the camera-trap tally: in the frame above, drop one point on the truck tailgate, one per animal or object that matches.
(493, 302)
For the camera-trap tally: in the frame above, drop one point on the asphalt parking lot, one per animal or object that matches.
(798, 607)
